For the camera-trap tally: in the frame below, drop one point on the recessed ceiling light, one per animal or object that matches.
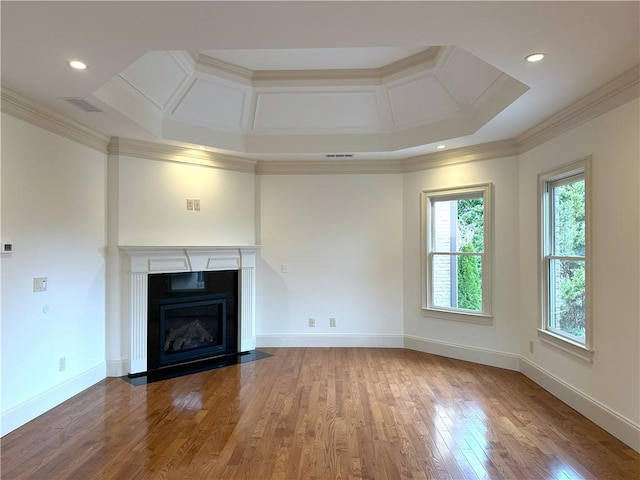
(441, 147)
(534, 57)
(77, 64)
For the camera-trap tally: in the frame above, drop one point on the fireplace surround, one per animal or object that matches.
(142, 261)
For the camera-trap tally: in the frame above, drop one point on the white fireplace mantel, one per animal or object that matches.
(141, 261)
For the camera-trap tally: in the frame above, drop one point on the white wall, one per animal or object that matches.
(53, 209)
(612, 380)
(153, 210)
(495, 344)
(341, 236)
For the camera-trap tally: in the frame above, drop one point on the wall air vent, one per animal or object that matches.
(339, 155)
(82, 103)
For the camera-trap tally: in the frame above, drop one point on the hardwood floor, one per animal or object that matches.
(320, 413)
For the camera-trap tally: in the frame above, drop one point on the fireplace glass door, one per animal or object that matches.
(192, 329)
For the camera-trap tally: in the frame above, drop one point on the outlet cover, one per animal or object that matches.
(63, 364)
(332, 322)
(40, 284)
(312, 322)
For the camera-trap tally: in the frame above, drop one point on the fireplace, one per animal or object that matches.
(188, 268)
(191, 316)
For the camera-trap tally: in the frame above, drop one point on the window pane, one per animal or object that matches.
(568, 219)
(567, 297)
(458, 225)
(457, 281)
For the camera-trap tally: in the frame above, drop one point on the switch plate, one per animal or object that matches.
(40, 284)
(285, 268)
(332, 322)
(196, 204)
(62, 364)
(530, 346)
(312, 322)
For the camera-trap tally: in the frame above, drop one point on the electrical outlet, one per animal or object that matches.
(312, 322)
(531, 346)
(63, 364)
(332, 322)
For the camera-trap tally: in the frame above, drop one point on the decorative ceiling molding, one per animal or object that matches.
(328, 167)
(19, 106)
(411, 101)
(615, 93)
(369, 76)
(475, 153)
(174, 153)
(611, 95)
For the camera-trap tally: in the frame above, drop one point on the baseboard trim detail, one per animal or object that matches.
(326, 340)
(483, 356)
(611, 421)
(26, 411)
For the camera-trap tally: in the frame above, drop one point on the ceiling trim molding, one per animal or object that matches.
(174, 153)
(328, 167)
(613, 94)
(369, 76)
(474, 153)
(19, 106)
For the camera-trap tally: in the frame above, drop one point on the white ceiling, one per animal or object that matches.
(587, 43)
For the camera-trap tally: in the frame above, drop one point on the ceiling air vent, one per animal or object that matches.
(339, 155)
(82, 103)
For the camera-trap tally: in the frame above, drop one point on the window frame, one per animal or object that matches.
(564, 175)
(428, 197)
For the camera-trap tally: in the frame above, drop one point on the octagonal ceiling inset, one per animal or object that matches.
(431, 95)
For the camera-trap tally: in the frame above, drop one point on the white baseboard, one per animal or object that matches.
(483, 356)
(614, 423)
(330, 340)
(26, 411)
(117, 368)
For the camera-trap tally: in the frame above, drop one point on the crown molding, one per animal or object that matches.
(173, 153)
(474, 153)
(19, 106)
(327, 167)
(613, 94)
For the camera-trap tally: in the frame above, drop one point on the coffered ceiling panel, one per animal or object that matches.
(157, 76)
(420, 100)
(312, 111)
(211, 103)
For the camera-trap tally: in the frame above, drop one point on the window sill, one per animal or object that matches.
(458, 316)
(566, 345)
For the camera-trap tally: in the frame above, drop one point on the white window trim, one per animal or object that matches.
(565, 343)
(427, 197)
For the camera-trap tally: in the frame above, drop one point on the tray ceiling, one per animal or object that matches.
(312, 101)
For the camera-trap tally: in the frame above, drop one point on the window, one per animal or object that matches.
(564, 258)
(457, 253)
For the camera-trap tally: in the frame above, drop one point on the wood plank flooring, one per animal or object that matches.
(319, 413)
